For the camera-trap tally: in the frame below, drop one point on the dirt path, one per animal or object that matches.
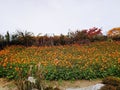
(9, 85)
(78, 83)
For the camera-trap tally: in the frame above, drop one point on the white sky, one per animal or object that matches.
(58, 16)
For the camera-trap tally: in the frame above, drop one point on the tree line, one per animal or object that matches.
(77, 37)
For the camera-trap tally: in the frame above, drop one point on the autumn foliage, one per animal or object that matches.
(114, 32)
(84, 36)
(28, 39)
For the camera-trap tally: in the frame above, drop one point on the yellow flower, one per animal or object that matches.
(118, 60)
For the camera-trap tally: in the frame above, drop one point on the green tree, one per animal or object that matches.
(1, 41)
(7, 38)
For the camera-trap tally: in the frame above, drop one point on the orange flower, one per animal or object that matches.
(17, 69)
(118, 60)
(4, 64)
(56, 61)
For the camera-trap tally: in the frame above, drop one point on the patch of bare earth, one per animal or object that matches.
(9, 85)
(74, 84)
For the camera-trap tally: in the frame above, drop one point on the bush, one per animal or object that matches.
(108, 87)
(111, 81)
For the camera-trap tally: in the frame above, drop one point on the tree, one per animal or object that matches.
(1, 42)
(92, 32)
(7, 38)
(1, 37)
(86, 35)
(114, 32)
(95, 34)
(26, 38)
(78, 36)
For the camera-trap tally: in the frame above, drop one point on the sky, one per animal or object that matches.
(58, 16)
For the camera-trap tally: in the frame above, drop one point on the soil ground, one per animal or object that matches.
(9, 85)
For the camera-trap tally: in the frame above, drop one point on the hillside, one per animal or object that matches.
(69, 62)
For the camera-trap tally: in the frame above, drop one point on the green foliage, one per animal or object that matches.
(7, 38)
(61, 73)
(69, 62)
(33, 79)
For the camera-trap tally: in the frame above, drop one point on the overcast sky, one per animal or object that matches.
(58, 16)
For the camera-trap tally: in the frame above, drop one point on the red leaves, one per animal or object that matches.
(94, 32)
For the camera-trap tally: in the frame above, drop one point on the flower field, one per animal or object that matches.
(69, 62)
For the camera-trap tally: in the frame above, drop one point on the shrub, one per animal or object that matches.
(111, 81)
(108, 87)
